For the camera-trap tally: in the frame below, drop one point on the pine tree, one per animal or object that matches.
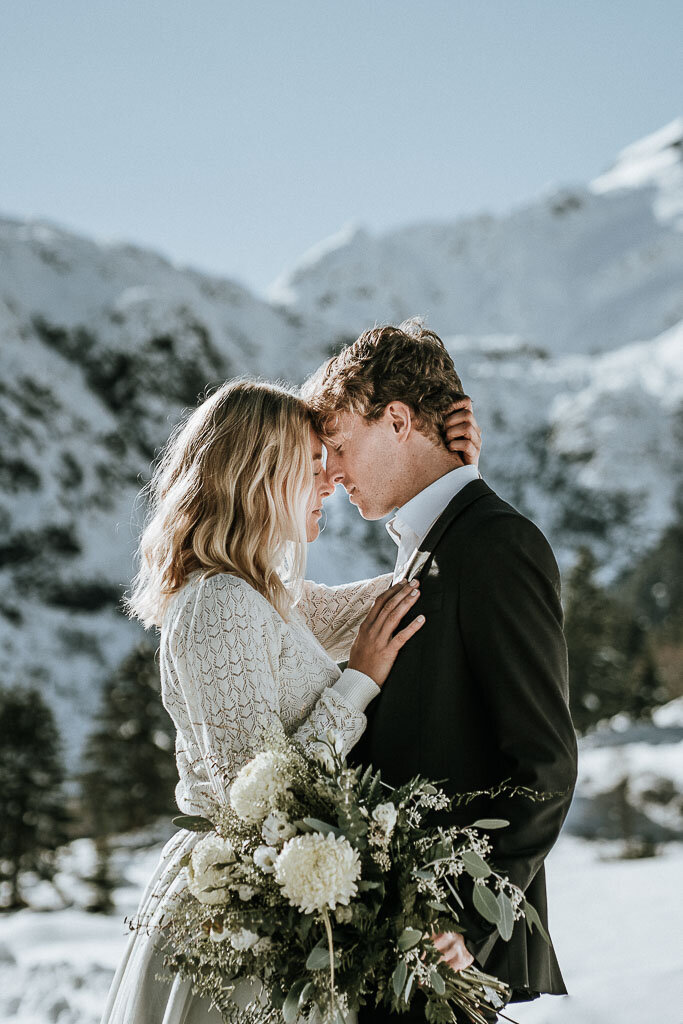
(32, 802)
(612, 668)
(645, 689)
(130, 771)
(101, 879)
(596, 665)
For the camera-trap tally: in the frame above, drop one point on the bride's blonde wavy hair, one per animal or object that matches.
(229, 494)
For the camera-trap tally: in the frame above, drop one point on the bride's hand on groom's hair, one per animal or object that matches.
(461, 431)
(375, 648)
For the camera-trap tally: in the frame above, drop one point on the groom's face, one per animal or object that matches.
(362, 456)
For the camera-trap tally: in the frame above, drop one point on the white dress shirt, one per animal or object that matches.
(413, 521)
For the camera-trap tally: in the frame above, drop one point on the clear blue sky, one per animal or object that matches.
(234, 134)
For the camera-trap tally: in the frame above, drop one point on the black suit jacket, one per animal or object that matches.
(480, 695)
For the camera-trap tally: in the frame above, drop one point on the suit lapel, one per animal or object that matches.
(419, 558)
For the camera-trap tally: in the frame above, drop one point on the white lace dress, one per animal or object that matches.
(230, 665)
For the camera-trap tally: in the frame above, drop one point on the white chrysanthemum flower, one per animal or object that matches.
(259, 786)
(317, 871)
(243, 939)
(277, 828)
(264, 858)
(386, 817)
(211, 869)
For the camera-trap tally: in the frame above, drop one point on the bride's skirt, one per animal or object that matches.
(137, 996)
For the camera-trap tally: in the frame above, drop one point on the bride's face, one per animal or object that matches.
(322, 489)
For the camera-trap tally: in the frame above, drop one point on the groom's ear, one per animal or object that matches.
(399, 419)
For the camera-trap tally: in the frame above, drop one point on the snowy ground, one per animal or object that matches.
(615, 923)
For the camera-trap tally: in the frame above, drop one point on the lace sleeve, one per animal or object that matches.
(333, 614)
(228, 675)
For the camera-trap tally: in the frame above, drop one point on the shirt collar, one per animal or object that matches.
(414, 519)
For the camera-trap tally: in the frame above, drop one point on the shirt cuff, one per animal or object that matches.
(356, 688)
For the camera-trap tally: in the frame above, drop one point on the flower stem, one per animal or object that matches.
(330, 946)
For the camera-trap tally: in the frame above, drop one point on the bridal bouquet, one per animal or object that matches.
(325, 885)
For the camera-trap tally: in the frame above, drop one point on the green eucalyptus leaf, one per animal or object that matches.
(507, 916)
(322, 826)
(408, 938)
(318, 958)
(491, 823)
(441, 907)
(532, 919)
(193, 823)
(306, 993)
(290, 1007)
(437, 983)
(487, 904)
(277, 998)
(364, 886)
(409, 985)
(398, 978)
(475, 865)
(424, 873)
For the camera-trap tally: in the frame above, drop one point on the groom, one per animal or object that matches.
(480, 694)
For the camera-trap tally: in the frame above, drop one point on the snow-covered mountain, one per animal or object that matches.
(565, 319)
(583, 269)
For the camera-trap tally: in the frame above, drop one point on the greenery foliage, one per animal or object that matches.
(31, 797)
(130, 772)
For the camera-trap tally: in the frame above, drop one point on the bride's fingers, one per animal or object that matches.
(390, 597)
(462, 428)
(464, 402)
(393, 612)
(405, 634)
(463, 421)
(465, 447)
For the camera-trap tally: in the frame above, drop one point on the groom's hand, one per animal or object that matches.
(453, 950)
(461, 431)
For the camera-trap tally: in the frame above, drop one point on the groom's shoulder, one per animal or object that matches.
(495, 529)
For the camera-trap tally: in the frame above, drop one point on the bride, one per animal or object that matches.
(237, 494)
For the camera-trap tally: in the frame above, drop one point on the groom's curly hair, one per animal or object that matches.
(408, 363)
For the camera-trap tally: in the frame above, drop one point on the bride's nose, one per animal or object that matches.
(326, 487)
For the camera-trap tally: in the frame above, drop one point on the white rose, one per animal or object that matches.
(317, 871)
(211, 869)
(260, 786)
(264, 858)
(386, 816)
(243, 939)
(277, 828)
